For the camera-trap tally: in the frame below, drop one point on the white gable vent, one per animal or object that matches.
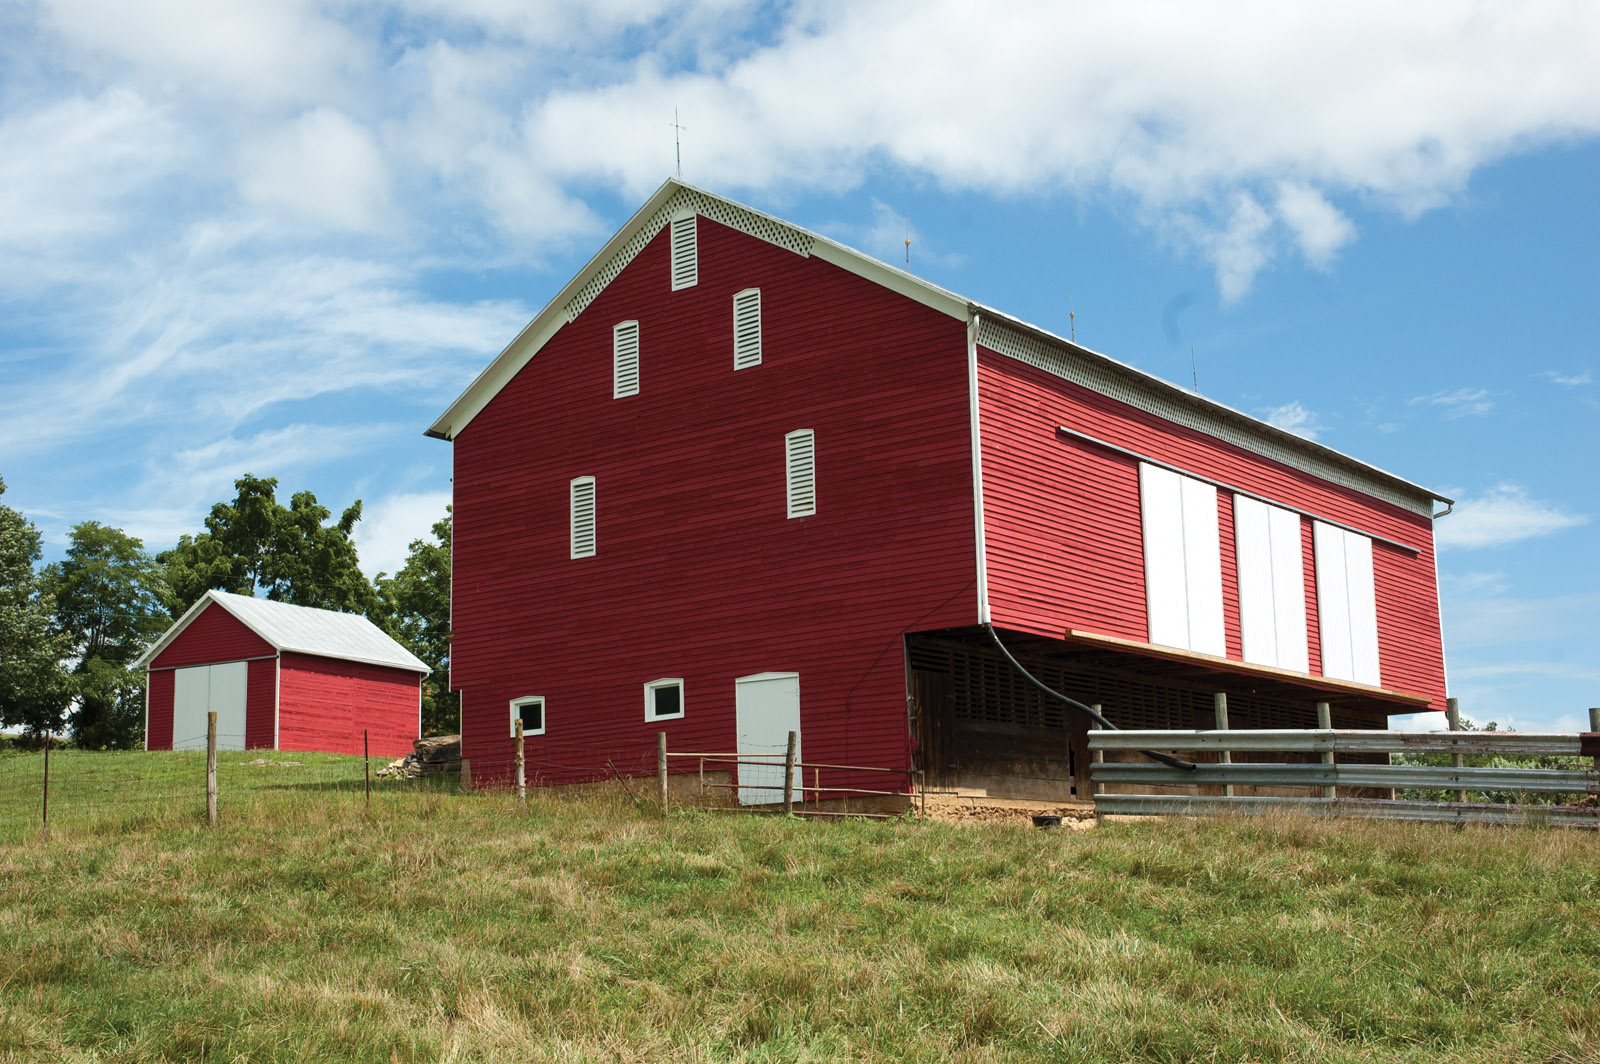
(625, 359)
(800, 467)
(685, 253)
(747, 329)
(583, 517)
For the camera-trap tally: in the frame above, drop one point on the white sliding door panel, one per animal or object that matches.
(1363, 608)
(1166, 586)
(1258, 628)
(191, 700)
(1288, 589)
(1202, 559)
(1333, 602)
(228, 686)
(766, 710)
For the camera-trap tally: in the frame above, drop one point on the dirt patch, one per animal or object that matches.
(981, 809)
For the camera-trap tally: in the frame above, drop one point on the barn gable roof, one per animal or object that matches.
(300, 630)
(998, 331)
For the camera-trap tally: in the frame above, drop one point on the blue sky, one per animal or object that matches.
(279, 237)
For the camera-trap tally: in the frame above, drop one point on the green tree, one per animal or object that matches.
(110, 601)
(415, 609)
(256, 545)
(33, 688)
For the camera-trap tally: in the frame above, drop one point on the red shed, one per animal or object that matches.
(738, 479)
(280, 676)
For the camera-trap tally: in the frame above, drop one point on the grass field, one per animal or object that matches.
(447, 927)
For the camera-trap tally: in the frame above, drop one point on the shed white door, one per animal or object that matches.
(199, 690)
(767, 709)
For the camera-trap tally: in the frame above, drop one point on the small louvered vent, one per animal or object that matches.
(583, 533)
(685, 254)
(747, 329)
(801, 467)
(625, 359)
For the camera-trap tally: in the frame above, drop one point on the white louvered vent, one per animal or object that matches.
(583, 532)
(800, 467)
(624, 359)
(1107, 379)
(747, 329)
(685, 253)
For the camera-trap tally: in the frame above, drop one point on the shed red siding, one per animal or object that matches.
(699, 574)
(325, 703)
(213, 635)
(261, 704)
(158, 722)
(1063, 535)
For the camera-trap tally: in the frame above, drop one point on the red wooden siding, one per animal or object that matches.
(698, 572)
(1062, 519)
(324, 704)
(260, 706)
(158, 726)
(214, 635)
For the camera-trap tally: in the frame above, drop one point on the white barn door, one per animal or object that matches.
(767, 709)
(199, 690)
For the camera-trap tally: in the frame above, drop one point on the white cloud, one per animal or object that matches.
(390, 524)
(322, 167)
(1461, 402)
(1569, 380)
(1320, 230)
(1501, 516)
(1294, 417)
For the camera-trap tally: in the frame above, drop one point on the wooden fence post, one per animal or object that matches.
(522, 767)
(211, 767)
(1098, 757)
(1594, 726)
(1325, 722)
(1224, 757)
(788, 776)
(661, 770)
(1452, 715)
(366, 756)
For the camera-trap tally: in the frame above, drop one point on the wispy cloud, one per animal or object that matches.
(390, 524)
(1294, 417)
(1462, 402)
(1569, 380)
(1503, 515)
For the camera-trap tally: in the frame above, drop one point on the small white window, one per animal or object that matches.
(747, 329)
(530, 711)
(625, 359)
(663, 699)
(685, 253)
(583, 533)
(800, 469)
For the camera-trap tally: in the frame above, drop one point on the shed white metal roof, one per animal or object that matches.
(301, 630)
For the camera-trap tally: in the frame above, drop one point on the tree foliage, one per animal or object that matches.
(111, 601)
(415, 609)
(256, 545)
(33, 692)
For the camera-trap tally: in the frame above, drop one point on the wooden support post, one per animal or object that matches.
(816, 784)
(1325, 722)
(522, 767)
(788, 775)
(1452, 715)
(211, 767)
(1594, 726)
(1096, 758)
(661, 770)
(366, 755)
(702, 781)
(44, 823)
(1224, 757)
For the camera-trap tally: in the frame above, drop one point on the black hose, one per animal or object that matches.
(1073, 703)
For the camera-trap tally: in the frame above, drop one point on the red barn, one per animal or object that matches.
(737, 478)
(282, 677)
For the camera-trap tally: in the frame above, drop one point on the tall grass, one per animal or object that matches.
(438, 926)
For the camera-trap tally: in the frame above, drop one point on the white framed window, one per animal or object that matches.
(685, 253)
(583, 521)
(747, 328)
(800, 472)
(624, 359)
(529, 710)
(1347, 604)
(1182, 560)
(1272, 586)
(663, 699)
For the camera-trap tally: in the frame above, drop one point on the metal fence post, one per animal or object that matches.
(366, 756)
(1452, 714)
(661, 770)
(1325, 722)
(211, 767)
(44, 823)
(522, 767)
(788, 775)
(1224, 757)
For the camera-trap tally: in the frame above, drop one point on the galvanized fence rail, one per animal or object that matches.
(1322, 778)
